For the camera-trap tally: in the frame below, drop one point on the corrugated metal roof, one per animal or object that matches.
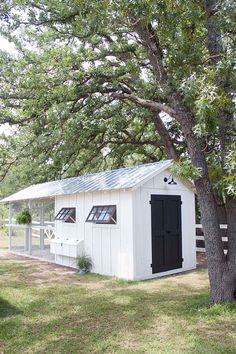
(123, 178)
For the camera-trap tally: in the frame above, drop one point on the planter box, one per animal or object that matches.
(66, 247)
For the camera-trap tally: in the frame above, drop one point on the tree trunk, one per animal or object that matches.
(221, 272)
(231, 255)
(231, 221)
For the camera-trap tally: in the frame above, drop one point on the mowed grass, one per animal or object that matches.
(3, 239)
(50, 309)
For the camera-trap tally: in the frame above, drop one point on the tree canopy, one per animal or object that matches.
(136, 81)
(65, 90)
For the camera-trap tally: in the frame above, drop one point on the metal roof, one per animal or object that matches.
(123, 178)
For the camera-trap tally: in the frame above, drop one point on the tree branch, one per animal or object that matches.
(155, 106)
(215, 48)
(214, 39)
(165, 137)
(134, 142)
(151, 42)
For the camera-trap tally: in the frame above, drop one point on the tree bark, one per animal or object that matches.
(165, 137)
(231, 222)
(231, 255)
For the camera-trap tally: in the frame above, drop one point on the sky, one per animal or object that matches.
(5, 45)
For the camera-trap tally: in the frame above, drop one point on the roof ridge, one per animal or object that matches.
(96, 173)
(124, 168)
(126, 177)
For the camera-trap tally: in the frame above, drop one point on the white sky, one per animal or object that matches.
(6, 46)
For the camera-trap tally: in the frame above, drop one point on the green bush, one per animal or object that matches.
(84, 263)
(24, 217)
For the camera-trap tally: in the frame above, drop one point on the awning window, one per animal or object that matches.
(102, 214)
(67, 215)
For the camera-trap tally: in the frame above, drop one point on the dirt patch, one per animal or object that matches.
(39, 271)
(42, 273)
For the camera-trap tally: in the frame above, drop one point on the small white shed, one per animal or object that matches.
(135, 222)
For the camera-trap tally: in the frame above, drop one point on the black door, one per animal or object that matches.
(166, 232)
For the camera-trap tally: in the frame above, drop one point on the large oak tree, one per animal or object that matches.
(132, 76)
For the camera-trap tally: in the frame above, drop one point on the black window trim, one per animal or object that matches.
(64, 215)
(112, 220)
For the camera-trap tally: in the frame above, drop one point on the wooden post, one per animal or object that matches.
(29, 232)
(30, 238)
(10, 227)
(26, 246)
(42, 224)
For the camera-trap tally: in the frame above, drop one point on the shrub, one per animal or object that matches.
(24, 217)
(84, 263)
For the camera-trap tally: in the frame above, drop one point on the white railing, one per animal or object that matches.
(3, 222)
(201, 237)
(49, 230)
(25, 239)
(6, 222)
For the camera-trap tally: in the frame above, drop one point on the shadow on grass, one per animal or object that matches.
(86, 321)
(69, 318)
(7, 309)
(137, 313)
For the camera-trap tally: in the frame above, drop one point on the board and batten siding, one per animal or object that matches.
(142, 225)
(109, 246)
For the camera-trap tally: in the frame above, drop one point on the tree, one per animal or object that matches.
(95, 74)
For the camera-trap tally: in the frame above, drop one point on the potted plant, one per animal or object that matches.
(84, 263)
(24, 217)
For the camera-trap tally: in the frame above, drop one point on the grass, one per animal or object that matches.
(3, 239)
(50, 309)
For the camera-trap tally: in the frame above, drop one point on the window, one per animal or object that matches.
(66, 215)
(105, 214)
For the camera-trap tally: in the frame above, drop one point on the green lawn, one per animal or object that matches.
(3, 240)
(49, 309)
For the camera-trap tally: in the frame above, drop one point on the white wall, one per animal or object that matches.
(66, 230)
(110, 246)
(142, 224)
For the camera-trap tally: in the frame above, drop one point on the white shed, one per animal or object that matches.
(135, 222)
